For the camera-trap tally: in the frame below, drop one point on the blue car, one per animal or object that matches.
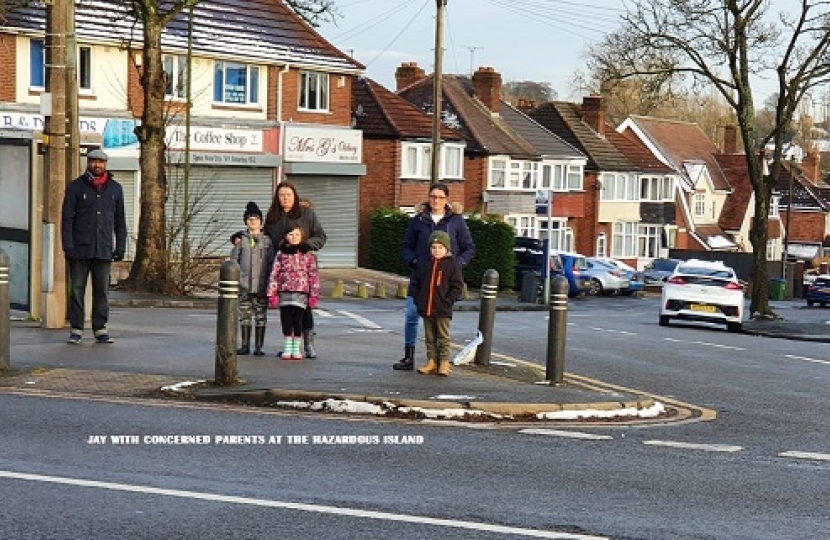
(819, 291)
(573, 266)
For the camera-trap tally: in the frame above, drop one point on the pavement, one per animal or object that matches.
(169, 353)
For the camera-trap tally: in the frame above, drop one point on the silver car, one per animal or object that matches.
(605, 278)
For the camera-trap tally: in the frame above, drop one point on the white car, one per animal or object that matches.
(706, 291)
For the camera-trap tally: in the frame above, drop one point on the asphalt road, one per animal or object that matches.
(759, 471)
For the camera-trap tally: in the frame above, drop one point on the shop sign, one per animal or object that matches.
(322, 144)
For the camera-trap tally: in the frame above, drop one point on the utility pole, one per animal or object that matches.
(472, 50)
(438, 94)
(53, 107)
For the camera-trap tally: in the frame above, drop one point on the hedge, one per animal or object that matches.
(494, 240)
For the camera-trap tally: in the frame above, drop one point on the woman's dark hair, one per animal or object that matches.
(276, 211)
(440, 185)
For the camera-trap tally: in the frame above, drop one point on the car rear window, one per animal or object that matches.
(707, 272)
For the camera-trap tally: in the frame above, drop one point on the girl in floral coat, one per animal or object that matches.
(294, 286)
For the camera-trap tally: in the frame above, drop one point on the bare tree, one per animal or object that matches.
(513, 91)
(724, 43)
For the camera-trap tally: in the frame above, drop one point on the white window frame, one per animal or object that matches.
(176, 76)
(251, 89)
(416, 160)
(314, 91)
(649, 240)
(497, 173)
(84, 67)
(624, 239)
(656, 188)
(562, 236)
(699, 205)
(774, 203)
(618, 187)
(602, 245)
(523, 224)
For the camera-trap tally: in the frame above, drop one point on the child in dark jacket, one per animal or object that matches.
(254, 253)
(294, 286)
(438, 283)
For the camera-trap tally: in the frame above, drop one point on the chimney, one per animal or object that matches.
(593, 113)
(810, 165)
(487, 88)
(407, 74)
(730, 140)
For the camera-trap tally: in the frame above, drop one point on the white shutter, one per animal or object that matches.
(335, 201)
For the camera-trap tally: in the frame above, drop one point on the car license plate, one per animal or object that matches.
(702, 307)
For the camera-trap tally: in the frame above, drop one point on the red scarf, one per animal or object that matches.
(99, 181)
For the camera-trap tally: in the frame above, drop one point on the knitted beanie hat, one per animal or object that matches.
(440, 237)
(252, 210)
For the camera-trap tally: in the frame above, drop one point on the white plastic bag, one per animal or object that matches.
(468, 353)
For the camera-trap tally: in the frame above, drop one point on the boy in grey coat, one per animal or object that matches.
(255, 254)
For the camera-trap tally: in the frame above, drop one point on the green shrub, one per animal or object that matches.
(494, 240)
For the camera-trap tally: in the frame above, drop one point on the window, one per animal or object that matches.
(175, 69)
(618, 187)
(452, 161)
(498, 172)
(650, 241)
(773, 205)
(314, 91)
(624, 240)
(772, 249)
(417, 160)
(235, 84)
(524, 225)
(602, 245)
(561, 236)
(656, 189)
(574, 175)
(700, 204)
(37, 66)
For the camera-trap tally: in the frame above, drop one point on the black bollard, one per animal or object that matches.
(5, 316)
(227, 321)
(487, 316)
(557, 326)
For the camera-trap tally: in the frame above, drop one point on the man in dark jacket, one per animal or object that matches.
(93, 213)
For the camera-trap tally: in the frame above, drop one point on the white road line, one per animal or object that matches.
(693, 446)
(805, 455)
(706, 343)
(807, 359)
(363, 321)
(566, 434)
(614, 331)
(320, 509)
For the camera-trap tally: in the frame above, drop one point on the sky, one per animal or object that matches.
(524, 40)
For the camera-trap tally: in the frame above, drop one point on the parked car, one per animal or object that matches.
(605, 278)
(658, 271)
(573, 266)
(706, 291)
(635, 277)
(818, 292)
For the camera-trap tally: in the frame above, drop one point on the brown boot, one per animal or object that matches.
(444, 369)
(429, 368)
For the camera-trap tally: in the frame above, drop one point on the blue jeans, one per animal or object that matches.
(410, 327)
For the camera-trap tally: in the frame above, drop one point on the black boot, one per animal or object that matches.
(246, 341)
(259, 339)
(407, 363)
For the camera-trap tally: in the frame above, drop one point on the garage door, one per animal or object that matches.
(218, 196)
(335, 201)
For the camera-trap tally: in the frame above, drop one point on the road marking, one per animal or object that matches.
(805, 455)
(320, 509)
(566, 434)
(706, 343)
(693, 446)
(807, 359)
(614, 331)
(363, 321)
